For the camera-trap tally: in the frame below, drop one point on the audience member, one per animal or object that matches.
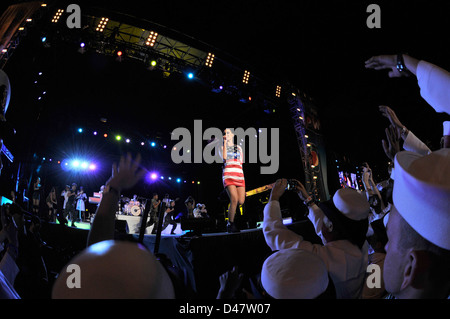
(418, 251)
(9, 245)
(295, 274)
(106, 273)
(341, 223)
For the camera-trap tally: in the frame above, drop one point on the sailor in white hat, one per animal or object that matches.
(417, 259)
(114, 270)
(295, 274)
(341, 223)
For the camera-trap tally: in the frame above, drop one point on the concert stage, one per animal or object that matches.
(202, 258)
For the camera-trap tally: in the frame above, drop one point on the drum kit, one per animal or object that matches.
(131, 207)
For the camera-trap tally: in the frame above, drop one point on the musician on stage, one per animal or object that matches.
(154, 208)
(168, 218)
(233, 177)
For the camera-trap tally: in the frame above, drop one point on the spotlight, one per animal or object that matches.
(76, 163)
(209, 60)
(190, 75)
(105, 135)
(43, 39)
(82, 45)
(142, 143)
(80, 130)
(102, 24)
(84, 165)
(118, 137)
(127, 140)
(154, 176)
(57, 15)
(95, 133)
(119, 53)
(92, 167)
(246, 77)
(153, 144)
(151, 38)
(178, 180)
(278, 91)
(153, 63)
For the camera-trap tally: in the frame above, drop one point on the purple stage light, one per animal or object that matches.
(152, 177)
(92, 167)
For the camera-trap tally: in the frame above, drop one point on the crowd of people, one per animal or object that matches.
(388, 243)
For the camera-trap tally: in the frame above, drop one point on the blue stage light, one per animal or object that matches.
(43, 39)
(80, 130)
(153, 144)
(190, 75)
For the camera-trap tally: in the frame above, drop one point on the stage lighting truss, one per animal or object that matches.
(102, 24)
(57, 15)
(209, 60)
(151, 38)
(246, 77)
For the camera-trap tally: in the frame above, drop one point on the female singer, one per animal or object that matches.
(233, 177)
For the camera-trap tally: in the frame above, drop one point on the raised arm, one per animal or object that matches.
(125, 176)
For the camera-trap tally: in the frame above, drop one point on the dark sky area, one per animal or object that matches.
(318, 46)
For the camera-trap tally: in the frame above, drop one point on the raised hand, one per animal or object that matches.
(381, 62)
(127, 174)
(392, 145)
(278, 189)
(387, 112)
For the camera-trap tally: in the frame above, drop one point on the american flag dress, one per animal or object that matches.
(232, 173)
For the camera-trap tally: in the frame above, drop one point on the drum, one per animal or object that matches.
(135, 210)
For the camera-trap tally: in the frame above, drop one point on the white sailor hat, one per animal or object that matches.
(422, 194)
(114, 270)
(294, 274)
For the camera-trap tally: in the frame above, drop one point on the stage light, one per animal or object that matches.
(102, 24)
(151, 38)
(170, 178)
(209, 60)
(178, 180)
(153, 144)
(142, 143)
(198, 183)
(154, 176)
(105, 135)
(246, 77)
(95, 133)
(119, 53)
(57, 15)
(76, 163)
(162, 177)
(190, 75)
(92, 167)
(43, 39)
(278, 91)
(127, 140)
(153, 63)
(80, 130)
(84, 165)
(118, 137)
(82, 44)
